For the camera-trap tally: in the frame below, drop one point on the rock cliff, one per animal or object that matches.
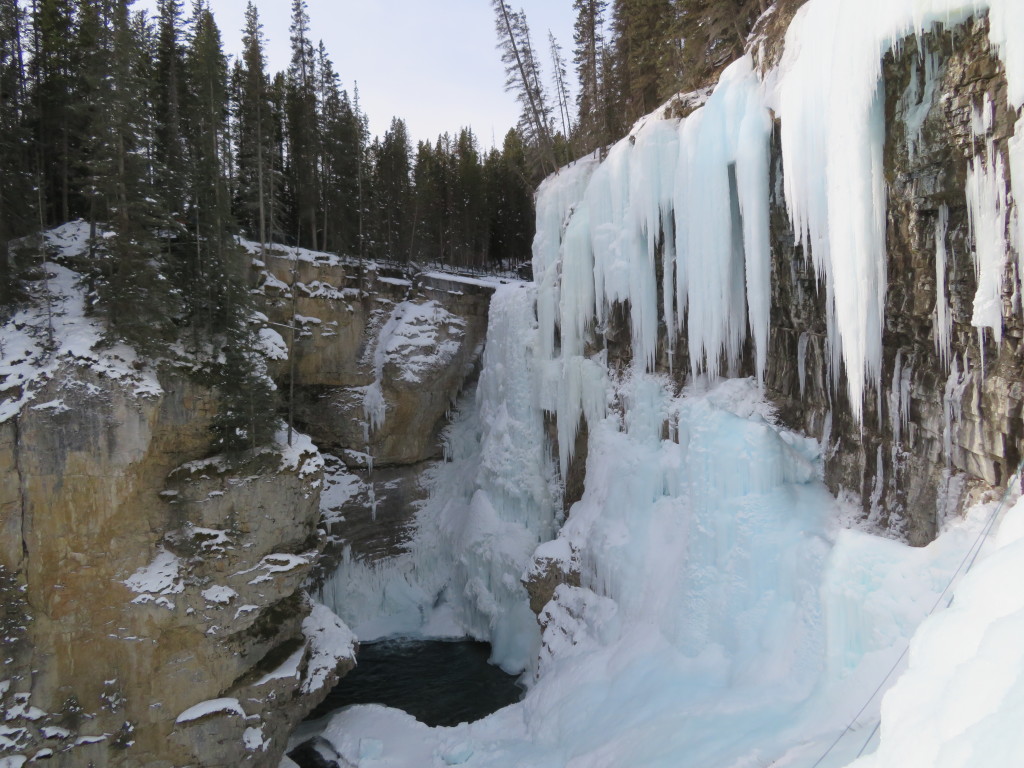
(154, 604)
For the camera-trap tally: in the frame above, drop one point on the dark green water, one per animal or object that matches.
(438, 683)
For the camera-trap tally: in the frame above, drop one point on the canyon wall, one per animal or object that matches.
(154, 611)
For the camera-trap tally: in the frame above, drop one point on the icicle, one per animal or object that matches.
(722, 236)
(1016, 151)
(801, 362)
(943, 321)
(987, 206)
(918, 100)
(895, 416)
(831, 105)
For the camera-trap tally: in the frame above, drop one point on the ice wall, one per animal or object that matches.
(692, 195)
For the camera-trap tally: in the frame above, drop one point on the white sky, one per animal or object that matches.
(434, 64)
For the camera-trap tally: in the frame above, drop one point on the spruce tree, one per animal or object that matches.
(589, 57)
(303, 136)
(16, 218)
(170, 101)
(255, 133)
(129, 274)
(523, 78)
(392, 192)
(644, 39)
(212, 263)
(54, 67)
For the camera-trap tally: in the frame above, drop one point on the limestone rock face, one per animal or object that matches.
(941, 424)
(380, 356)
(136, 588)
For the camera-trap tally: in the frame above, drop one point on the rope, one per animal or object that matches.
(968, 561)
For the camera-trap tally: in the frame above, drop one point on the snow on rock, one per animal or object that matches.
(417, 337)
(254, 740)
(289, 668)
(219, 595)
(272, 344)
(330, 643)
(156, 581)
(225, 706)
(301, 456)
(27, 361)
(277, 563)
(340, 486)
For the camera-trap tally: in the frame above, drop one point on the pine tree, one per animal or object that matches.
(589, 57)
(523, 78)
(16, 218)
(255, 132)
(559, 77)
(303, 139)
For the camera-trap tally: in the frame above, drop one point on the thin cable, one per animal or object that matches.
(870, 737)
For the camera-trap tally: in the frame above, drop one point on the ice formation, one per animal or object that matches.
(832, 137)
(693, 193)
(943, 319)
(492, 502)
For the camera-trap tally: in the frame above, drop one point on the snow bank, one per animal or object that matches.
(961, 702)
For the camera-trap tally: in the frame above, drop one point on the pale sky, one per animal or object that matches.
(433, 64)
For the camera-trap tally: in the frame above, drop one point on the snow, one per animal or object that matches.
(26, 362)
(226, 706)
(290, 668)
(219, 594)
(154, 582)
(961, 700)
(330, 642)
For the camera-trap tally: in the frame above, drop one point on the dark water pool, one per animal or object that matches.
(437, 682)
